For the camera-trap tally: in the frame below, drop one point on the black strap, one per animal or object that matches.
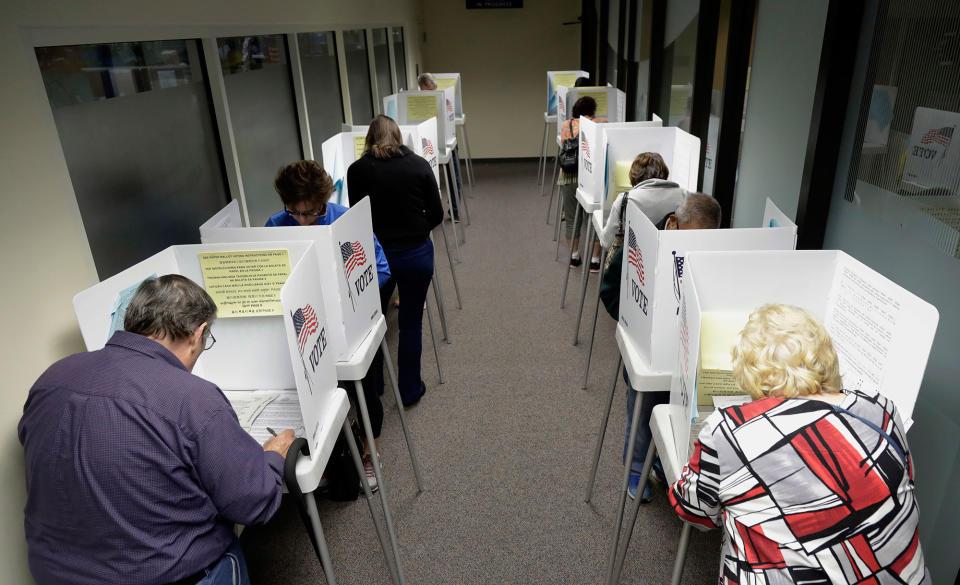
(883, 433)
(299, 448)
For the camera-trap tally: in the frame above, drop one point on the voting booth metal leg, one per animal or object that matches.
(433, 339)
(542, 161)
(453, 224)
(368, 431)
(469, 160)
(592, 478)
(596, 313)
(585, 275)
(322, 542)
(556, 225)
(566, 272)
(632, 522)
(439, 297)
(681, 555)
(403, 417)
(453, 270)
(461, 196)
(553, 174)
(615, 544)
(358, 464)
(550, 205)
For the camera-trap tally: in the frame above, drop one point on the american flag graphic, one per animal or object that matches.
(427, 146)
(305, 324)
(584, 146)
(449, 106)
(353, 256)
(939, 135)
(634, 255)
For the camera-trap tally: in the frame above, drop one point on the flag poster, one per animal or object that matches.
(933, 155)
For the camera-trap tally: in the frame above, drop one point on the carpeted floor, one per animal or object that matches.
(505, 443)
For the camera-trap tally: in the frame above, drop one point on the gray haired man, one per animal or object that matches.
(137, 470)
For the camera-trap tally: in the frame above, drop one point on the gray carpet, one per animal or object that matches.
(505, 443)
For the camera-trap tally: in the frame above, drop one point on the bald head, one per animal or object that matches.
(697, 212)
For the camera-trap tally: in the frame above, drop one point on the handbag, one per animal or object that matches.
(570, 152)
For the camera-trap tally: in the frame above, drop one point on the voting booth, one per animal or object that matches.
(557, 79)
(882, 333)
(341, 150)
(347, 265)
(611, 104)
(654, 270)
(413, 107)
(593, 181)
(451, 80)
(256, 348)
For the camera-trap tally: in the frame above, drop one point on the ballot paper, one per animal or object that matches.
(718, 333)
(279, 413)
(248, 405)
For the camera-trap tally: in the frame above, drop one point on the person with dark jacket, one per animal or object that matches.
(405, 205)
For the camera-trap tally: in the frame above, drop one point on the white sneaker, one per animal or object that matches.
(369, 471)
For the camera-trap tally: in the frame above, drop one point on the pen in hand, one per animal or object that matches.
(272, 432)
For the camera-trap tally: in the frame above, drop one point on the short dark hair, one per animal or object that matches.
(701, 209)
(585, 106)
(648, 165)
(384, 139)
(581, 82)
(169, 307)
(304, 180)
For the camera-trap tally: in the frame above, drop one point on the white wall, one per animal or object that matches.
(45, 257)
(503, 56)
(783, 79)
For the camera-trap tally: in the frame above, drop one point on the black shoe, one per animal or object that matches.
(574, 262)
(595, 266)
(415, 399)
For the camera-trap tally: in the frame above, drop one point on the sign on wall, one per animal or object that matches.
(475, 4)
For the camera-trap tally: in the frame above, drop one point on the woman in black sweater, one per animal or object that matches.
(405, 205)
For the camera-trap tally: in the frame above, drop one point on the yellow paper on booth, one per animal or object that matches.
(564, 80)
(621, 176)
(445, 82)
(718, 334)
(421, 107)
(245, 283)
(359, 144)
(601, 98)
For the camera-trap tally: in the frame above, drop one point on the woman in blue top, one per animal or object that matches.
(305, 189)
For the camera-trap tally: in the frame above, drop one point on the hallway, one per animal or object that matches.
(505, 442)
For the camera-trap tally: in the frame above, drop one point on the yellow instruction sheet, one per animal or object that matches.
(564, 80)
(621, 175)
(445, 82)
(421, 107)
(718, 334)
(245, 283)
(601, 99)
(359, 143)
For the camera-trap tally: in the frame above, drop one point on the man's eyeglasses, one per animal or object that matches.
(304, 213)
(210, 341)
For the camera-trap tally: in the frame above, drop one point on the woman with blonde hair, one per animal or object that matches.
(812, 483)
(405, 206)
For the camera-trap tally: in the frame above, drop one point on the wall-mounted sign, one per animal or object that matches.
(473, 4)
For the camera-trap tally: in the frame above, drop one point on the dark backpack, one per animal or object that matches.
(570, 152)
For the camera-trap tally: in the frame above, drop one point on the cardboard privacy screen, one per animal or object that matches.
(557, 79)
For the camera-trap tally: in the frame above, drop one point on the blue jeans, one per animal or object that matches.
(231, 569)
(644, 435)
(410, 270)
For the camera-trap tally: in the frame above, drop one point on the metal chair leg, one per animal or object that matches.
(592, 477)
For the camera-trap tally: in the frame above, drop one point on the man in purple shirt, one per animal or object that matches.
(137, 470)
